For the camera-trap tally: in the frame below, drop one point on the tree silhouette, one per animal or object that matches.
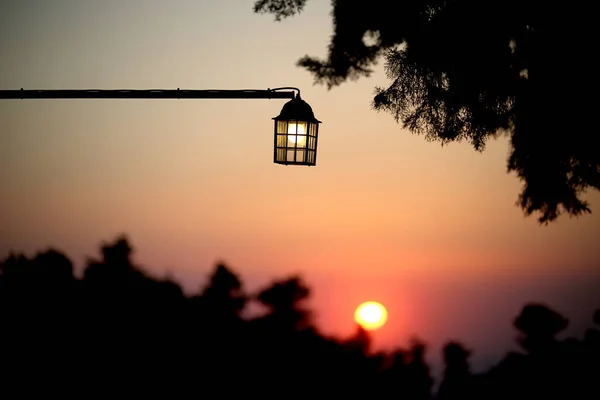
(120, 330)
(472, 70)
(280, 8)
(457, 381)
(223, 297)
(360, 342)
(539, 326)
(285, 302)
(419, 380)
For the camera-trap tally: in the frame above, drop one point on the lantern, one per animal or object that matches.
(296, 134)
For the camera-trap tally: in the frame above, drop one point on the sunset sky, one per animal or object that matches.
(431, 232)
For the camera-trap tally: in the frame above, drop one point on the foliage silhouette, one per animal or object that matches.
(458, 381)
(119, 330)
(472, 70)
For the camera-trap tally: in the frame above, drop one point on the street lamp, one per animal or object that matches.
(296, 128)
(296, 134)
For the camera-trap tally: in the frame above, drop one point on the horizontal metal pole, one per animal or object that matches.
(146, 94)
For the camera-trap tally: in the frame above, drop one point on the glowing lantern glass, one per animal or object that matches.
(296, 134)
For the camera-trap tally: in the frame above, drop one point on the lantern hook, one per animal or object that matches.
(286, 88)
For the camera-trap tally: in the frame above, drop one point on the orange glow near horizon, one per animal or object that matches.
(371, 315)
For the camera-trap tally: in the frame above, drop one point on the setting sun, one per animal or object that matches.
(371, 315)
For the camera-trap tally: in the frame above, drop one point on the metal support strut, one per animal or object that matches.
(276, 93)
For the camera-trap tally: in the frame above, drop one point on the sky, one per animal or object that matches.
(431, 232)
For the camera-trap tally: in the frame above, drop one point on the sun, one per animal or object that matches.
(371, 315)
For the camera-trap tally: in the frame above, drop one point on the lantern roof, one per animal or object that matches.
(296, 110)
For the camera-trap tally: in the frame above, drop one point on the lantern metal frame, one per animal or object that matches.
(295, 113)
(296, 134)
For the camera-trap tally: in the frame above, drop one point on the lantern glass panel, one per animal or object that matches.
(282, 127)
(297, 131)
(290, 155)
(282, 140)
(281, 154)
